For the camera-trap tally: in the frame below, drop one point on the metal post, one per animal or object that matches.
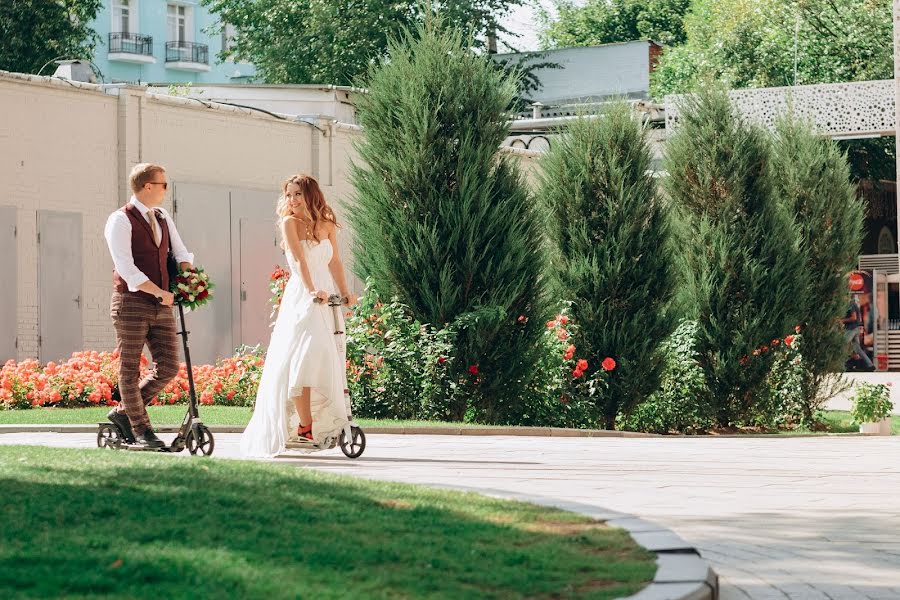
(896, 14)
(187, 360)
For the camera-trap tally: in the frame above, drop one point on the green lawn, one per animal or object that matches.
(96, 523)
(839, 421)
(172, 415)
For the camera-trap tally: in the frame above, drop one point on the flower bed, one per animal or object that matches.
(90, 379)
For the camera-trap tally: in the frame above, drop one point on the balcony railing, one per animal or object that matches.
(131, 43)
(187, 52)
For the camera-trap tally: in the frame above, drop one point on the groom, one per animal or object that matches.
(139, 236)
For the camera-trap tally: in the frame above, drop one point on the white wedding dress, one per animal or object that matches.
(303, 352)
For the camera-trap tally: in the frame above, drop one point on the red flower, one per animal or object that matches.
(608, 364)
(473, 369)
(570, 352)
(745, 360)
(577, 373)
(563, 319)
(581, 365)
(797, 329)
(789, 340)
(775, 342)
(522, 319)
(551, 324)
(563, 334)
(442, 360)
(763, 349)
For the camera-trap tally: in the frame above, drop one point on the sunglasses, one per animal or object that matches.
(165, 184)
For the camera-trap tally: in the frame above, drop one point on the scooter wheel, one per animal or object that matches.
(108, 436)
(354, 447)
(204, 445)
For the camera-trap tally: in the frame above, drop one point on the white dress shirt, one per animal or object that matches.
(118, 238)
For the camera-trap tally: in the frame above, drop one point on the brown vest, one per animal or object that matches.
(148, 258)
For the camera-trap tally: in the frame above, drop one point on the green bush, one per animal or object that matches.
(739, 252)
(611, 249)
(443, 222)
(399, 368)
(871, 403)
(682, 403)
(812, 178)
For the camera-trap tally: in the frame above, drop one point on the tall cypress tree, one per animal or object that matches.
(610, 238)
(442, 220)
(813, 178)
(741, 261)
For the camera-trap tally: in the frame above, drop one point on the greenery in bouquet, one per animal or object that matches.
(192, 288)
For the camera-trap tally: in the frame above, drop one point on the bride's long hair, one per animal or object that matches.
(316, 206)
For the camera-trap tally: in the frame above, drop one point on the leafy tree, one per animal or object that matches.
(443, 222)
(607, 21)
(611, 238)
(335, 42)
(765, 43)
(34, 32)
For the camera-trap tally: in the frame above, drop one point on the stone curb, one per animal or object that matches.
(681, 574)
(481, 431)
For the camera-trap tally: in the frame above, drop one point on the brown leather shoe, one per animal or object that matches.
(121, 421)
(149, 439)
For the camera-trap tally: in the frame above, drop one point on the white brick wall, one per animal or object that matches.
(69, 147)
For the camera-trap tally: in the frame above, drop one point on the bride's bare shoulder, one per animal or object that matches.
(290, 222)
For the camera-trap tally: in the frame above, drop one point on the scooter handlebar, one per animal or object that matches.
(333, 300)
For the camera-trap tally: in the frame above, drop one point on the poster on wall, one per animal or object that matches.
(859, 323)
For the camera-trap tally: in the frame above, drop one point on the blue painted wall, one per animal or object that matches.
(150, 19)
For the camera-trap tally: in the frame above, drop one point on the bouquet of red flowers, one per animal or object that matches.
(277, 282)
(192, 288)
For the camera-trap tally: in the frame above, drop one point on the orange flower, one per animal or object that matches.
(581, 365)
(789, 340)
(608, 364)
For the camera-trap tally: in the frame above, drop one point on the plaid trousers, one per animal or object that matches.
(139, 321)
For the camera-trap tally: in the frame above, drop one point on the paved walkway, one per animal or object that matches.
(800, 518)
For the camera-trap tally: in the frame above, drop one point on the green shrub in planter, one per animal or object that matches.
(871, 403)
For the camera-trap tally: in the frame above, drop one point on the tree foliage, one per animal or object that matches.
(34, 32)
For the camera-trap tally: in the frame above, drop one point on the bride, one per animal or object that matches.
(305, 367)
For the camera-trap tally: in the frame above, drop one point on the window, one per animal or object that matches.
(122, 15)
(178, 21)
(886, 243)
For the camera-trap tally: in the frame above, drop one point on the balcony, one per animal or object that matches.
(131, 47)
(187, 56)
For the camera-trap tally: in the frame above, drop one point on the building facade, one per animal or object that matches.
(160, 41)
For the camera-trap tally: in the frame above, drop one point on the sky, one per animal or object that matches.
(523, 20)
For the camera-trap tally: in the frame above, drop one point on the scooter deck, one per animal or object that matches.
(308, 445)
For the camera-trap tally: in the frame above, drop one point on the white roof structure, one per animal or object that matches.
(839, 110)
